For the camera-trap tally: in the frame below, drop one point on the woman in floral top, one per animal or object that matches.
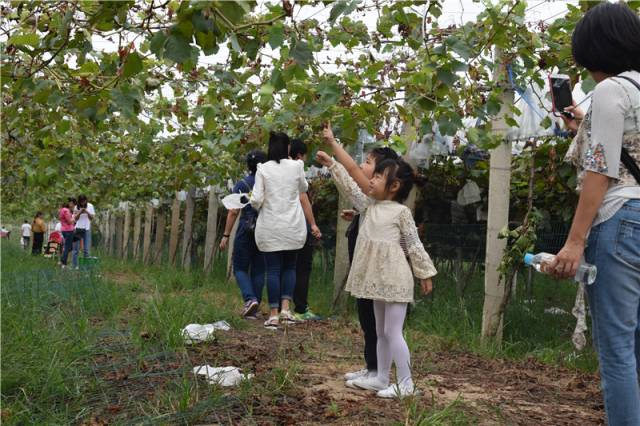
(606, 225)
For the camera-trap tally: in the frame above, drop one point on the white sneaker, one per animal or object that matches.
(369, 383)
(399, 390)
(356, 374)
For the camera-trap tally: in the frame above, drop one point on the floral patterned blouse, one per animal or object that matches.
(612, 122)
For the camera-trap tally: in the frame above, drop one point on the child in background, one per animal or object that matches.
(380, 270)
(361, 175)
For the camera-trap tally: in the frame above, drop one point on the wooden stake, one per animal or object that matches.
(137, 229)
(112, 233)
(341, 268)
(187, 235)
(126, 232)
(211, 238)
(161, 224)
(175, 228)
(148, 224)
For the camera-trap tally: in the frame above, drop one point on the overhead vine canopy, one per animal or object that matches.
(149, 114)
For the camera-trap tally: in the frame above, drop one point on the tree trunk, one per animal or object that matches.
(126, 231)
(175, 228)
(187, 236)
(498, 217)
(212, 223)
(137, 228)
(106, 236)
(161, 224)
(148, 224)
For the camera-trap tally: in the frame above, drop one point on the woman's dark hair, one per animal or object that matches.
(399, 171)
(607, 39)
(38, 214)
(298, 148)
(278, 146)
(383, 153)
(72, 200)
(254, 158)
(82, 201)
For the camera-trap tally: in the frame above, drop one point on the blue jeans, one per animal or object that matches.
(248, 265)
(68, 246)
(614, 303)
(86, 245)
(281, 275)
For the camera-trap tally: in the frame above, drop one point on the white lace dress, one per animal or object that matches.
(388, 234)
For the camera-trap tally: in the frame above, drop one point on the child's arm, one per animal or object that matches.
(421, 263)
(346, 185)
(345, 159)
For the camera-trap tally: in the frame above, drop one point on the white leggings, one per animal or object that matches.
(391, 344)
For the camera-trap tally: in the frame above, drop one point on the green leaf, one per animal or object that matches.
(459, 46)
(330, 92)
(207, 42)
(177, 49)
(511, 122)
(276, 80)
(132, 66)
(276, 35)
(546, 122)
(87, 69)
(588, 84)
(30, 39)
(342, 7)
(301, 53)
(157, 43)
(447, 77)
(266, 89)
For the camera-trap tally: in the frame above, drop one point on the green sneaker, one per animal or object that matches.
(307, 316)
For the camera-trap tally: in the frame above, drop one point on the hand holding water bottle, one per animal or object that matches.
(544, 262)
(565, 264)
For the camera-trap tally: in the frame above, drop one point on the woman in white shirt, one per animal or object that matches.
(606, 225)
(281, 227)
(83, 215)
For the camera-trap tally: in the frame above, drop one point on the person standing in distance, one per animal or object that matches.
(83, 215)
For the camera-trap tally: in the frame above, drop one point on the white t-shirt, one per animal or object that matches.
(26, 230)
(276, 195)
(83, 221)
(58, 227)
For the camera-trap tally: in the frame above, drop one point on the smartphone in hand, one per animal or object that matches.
(561, 97)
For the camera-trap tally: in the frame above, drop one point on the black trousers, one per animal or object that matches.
(368, 324)
(38, 238)
(365, 307)
(303, 275)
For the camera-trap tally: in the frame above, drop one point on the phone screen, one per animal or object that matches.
(561, 92)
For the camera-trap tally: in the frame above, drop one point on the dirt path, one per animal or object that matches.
(479, 390)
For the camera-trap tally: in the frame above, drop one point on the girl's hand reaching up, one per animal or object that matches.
(324, 158)
(327, 134)
(426, 285)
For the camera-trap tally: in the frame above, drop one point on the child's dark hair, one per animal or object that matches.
(82, 201)
(254, 158)
(278, 146)
(298, 148)
(383, 153)
(399, 171)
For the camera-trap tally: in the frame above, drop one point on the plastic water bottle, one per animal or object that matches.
(586, 272)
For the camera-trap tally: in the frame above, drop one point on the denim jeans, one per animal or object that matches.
(281, 275)
(614, 302)
(248, 265)
(86, 246)
(68, 246)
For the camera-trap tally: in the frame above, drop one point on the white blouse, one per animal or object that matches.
(387, 237)
(276, 196)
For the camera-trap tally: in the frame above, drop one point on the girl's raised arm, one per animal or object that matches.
(345, 159)
(346, 185)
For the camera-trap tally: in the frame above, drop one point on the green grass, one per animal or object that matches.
(55, 323)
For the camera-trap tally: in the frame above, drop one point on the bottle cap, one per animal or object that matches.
(528, 259)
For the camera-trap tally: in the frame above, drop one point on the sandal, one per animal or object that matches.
(286, 316)
(272, 322)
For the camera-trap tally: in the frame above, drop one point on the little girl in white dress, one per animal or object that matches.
(380, 269)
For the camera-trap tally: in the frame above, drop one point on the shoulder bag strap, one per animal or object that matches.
(626, 159)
